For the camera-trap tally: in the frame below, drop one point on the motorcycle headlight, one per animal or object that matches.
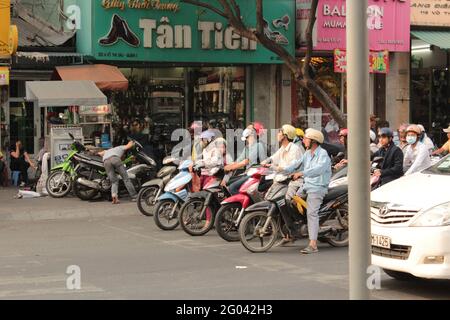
(435, 217)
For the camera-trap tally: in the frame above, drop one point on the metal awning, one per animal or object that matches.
(439, 39)
(65, 93)
(106, 77)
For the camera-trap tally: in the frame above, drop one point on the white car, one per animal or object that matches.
(410, 219)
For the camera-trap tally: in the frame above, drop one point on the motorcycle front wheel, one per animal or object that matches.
(252, 236)
(146, 200)
(225, 223)
(58, 184)
(164, 219)
(193, 221)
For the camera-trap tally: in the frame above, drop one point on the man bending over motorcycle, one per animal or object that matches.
(315, 169)
(112, 160)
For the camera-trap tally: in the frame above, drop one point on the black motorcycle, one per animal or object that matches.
(92, 180)
(264, 223)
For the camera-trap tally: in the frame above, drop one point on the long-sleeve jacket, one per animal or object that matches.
(416, 158)
(316, 168)
(392, 166)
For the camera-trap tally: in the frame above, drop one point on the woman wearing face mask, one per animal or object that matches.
(417, 157)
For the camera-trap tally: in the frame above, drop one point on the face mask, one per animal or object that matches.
(411, 139)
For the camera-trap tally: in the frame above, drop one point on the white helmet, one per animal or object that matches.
(315, 135)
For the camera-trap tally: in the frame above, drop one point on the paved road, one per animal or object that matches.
(129, 258)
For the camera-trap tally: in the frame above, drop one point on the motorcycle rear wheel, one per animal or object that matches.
(225, 221)
(61, 189)
(249, 232)
(163, 209)
(339, 238)
(191, 221)
(146, 200)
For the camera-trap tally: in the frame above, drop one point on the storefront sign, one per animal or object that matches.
(13, 40)
(303, 9)
(388, 23)
(430, 13)
(4, 76)
(97, 110)
(5, 20)
(172, 31)
(378, 61)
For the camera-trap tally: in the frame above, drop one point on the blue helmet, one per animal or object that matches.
(386, 132)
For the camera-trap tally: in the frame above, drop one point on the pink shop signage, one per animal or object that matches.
(388, 22)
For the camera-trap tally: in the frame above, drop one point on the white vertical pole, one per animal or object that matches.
(359, 157)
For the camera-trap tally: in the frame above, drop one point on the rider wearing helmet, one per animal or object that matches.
(392, 165)
(211, 155)
(343, 138)
(425, 139)
(417, 156)
(195, 130)
(288, 151)
(446, 147)
(373, 146)
(402, 136)
(253, 153)
(315, 169)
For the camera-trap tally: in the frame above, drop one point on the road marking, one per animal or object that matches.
(47, 291)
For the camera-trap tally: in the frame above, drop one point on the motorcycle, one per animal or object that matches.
(341, 178)
(60, 180)
(92, 178)
(264, 223)
(232, 209)
(198, 212)
(152, 189)
(176, 192)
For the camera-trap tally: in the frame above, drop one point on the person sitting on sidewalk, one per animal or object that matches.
(20, 161)
(112, 160)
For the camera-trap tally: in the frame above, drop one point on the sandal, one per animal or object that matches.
(309, 250)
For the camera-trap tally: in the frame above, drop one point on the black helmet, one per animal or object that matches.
(386, 132)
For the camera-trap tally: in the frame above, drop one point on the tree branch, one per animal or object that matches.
(309, 42)
(236, 8)
(207, 6)
(231, 12)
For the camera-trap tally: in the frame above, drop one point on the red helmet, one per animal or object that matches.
(196, 125)
(259, 128)
(343, 132)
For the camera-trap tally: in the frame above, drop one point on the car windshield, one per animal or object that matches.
(442, 167)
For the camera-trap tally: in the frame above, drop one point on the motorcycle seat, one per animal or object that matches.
(336, 192)
(90, 157)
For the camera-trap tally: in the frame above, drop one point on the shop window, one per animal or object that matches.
(219, 96)
(308, 112)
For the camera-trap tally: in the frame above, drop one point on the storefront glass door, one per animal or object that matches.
(430, 105)
(22, 124)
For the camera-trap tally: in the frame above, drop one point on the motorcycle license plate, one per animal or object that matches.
(381, 241)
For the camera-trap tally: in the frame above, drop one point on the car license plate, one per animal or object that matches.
(381, 241)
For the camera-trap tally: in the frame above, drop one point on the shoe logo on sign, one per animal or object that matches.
(120, 30)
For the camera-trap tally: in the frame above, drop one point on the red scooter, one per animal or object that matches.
(233, 208)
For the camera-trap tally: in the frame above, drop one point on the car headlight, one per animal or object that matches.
(435, 217)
